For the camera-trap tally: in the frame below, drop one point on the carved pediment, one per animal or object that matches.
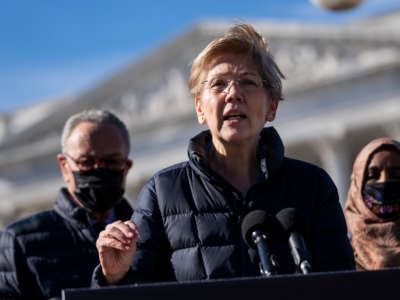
(165, 100)
(153, 91)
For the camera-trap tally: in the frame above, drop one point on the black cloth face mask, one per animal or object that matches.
(99, 189)
(383, 198)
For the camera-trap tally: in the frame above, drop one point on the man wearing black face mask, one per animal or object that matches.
(42, 254)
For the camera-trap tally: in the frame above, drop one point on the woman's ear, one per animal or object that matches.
(199, 110)
(271, 110)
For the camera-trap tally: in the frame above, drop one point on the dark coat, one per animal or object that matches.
(49, 251)
(189, 218)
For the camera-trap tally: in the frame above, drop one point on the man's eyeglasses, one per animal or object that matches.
(223, 85)
(86, 163)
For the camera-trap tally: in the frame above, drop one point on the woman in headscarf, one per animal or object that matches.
(372, 208)
(189, 215)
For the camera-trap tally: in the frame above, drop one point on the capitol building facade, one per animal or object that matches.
(342, 89)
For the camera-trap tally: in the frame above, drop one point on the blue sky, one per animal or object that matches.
(53, 48)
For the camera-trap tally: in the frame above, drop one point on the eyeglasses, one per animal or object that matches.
(85, 163)
(223, 85)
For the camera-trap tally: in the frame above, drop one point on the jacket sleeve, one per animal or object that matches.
(150, 262)
(331, 250)
(15, 277)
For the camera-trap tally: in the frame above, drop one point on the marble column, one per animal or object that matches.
(393, 130)
(335, 159)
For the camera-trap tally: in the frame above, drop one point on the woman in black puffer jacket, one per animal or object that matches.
(187, 221)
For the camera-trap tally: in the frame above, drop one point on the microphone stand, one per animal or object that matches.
(267, 261)
(300, 256)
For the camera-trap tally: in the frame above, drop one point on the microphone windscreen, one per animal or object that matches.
(254, 220)
(289, 219)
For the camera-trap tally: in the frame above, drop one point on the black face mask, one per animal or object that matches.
(383, 198)
(99, 189)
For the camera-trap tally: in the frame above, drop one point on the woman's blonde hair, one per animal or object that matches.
(240, 39)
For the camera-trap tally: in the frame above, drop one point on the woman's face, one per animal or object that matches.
(384, 166)
(240, 111)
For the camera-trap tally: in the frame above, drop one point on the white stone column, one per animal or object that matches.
(335, 158)
(393, 131)
(7, 208)
(3, 128)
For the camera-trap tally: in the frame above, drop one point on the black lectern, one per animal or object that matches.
(328, 286)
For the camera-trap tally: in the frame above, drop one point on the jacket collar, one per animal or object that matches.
(68, 209)
(270, 151)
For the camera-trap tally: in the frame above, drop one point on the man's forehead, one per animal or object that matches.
(84, 131)
(91, 139)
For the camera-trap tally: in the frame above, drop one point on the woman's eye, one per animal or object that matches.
(219, 83)
(395, 174)
(85, 161)
(372, 175)
(248, 82)
(111, 162)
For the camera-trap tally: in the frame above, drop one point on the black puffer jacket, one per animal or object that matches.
(44, 253)
(189, 218)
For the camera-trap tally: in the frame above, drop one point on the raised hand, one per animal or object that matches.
(116, 246)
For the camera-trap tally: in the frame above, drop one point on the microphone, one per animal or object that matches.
(291, 223)
(256, 228)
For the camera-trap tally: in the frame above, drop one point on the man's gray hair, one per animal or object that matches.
(97, 116)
